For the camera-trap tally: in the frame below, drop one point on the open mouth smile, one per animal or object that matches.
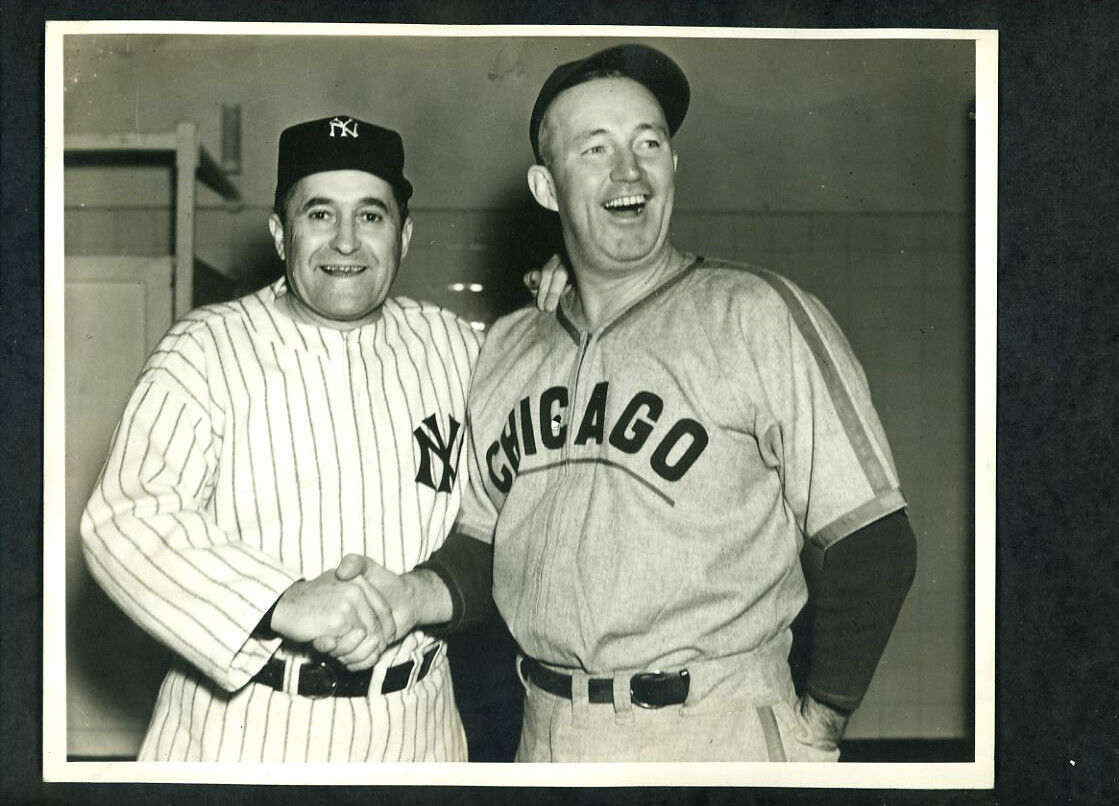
(631, 205)
(342, 269)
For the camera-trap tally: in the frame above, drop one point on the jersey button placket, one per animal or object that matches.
(542, 598)
(558, 513)
(572, 403)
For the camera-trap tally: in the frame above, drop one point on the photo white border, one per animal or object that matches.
(978, 774)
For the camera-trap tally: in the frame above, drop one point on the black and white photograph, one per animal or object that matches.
(472, 399)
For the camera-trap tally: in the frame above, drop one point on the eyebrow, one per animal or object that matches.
(368, 201)
(641, 128)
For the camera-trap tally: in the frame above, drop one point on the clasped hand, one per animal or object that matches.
(352, 613)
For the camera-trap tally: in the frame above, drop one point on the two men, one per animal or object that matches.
(647, 463)
(645, 466)
(267, 438)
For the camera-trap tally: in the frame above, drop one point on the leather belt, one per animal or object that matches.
(646, 689)
(326, 678)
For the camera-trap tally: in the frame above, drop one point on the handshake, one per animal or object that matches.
(357, 610)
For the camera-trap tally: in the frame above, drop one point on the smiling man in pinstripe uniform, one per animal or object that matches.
(270, 436)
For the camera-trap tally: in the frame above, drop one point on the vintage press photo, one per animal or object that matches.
(858, 164)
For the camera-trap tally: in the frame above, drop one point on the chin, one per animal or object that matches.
(632, 253)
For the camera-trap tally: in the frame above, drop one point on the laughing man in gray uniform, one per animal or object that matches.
(647, 463)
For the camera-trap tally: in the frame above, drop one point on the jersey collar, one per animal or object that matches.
(576, 333)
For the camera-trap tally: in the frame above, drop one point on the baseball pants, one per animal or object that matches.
(194, 720)
(739, 708)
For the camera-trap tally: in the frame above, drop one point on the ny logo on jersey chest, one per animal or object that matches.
(430, 440)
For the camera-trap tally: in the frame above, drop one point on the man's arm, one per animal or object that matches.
(154, 548)
(855, 594)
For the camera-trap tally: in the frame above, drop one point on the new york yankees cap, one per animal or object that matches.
(340, 143)
(645, 65)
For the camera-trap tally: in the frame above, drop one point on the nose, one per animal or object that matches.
(345, 240)
(626, 168)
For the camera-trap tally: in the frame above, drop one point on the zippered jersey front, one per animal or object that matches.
(647, 487)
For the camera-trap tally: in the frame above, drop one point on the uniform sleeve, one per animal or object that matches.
(465, 566)
(149, 542)
(477, 517)
(855, 593)
(815, 420)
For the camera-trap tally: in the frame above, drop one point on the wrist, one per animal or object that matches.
(826, 722)
(429, 598)
(269, 622)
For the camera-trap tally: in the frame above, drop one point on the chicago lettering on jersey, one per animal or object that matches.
(540, 424)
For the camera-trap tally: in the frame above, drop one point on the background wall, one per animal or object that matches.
(844, 165)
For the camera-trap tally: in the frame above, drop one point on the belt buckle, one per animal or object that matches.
(650, 681)
(317, 680)
(636, 683)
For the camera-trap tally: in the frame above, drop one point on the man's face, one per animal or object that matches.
(342, 243)
(611, 173)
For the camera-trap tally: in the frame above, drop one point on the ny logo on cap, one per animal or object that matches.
(346, 126)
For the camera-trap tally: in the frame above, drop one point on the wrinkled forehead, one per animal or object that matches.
(610, 101)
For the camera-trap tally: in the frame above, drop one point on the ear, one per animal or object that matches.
(543, 187)
(276, 227)
(405, 237)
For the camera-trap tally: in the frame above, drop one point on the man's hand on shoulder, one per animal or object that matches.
(547, 283)
(825, 724)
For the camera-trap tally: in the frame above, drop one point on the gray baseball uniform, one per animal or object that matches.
(648, 487)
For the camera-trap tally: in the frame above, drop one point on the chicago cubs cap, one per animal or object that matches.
(646, 65)
(340, 143)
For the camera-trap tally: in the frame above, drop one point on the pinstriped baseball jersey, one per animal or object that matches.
(256, 451)
(648, 486)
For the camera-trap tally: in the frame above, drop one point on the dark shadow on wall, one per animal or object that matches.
(516, 236)
(487, 689)
(120, 666)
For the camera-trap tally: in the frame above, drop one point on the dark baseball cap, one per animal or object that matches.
(340, 143)
(645, 65)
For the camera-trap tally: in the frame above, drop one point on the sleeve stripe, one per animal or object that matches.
(884, 504)
(848, 415)
(472, 532)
